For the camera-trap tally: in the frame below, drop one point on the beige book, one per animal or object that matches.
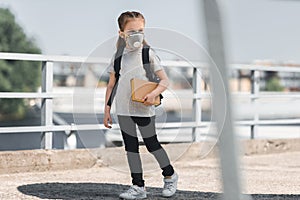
(140, 88)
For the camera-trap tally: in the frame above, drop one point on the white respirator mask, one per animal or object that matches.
(134, 40)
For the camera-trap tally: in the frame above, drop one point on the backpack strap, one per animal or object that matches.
(117, 62)
(146, 62)
(117, 67)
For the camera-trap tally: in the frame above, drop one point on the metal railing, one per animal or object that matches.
(46, 95)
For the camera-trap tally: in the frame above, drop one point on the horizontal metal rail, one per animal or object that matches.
(33, 95)
(73, 127)
(167, 63)
(52, 58)
(261, 67)
(269, 122)
(169, 125)
(27, 129)
(204, 95)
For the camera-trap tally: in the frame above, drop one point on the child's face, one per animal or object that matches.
(134, 25)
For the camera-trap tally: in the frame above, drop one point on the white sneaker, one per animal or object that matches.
(134, 192)
(170, 185)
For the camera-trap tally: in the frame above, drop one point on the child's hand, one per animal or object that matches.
(149, 99)
(107, 120)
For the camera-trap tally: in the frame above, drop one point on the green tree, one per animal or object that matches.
(16, 76)
(273, 84)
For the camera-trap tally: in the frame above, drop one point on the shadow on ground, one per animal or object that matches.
(107, 191)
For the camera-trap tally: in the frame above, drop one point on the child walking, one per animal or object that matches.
(129, 57)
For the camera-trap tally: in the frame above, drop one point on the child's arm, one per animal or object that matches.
(107, 118)
(149, 99)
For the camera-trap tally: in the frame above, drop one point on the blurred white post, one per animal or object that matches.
(222, 103)
(255, 81)
(47, 104)
(196, 103)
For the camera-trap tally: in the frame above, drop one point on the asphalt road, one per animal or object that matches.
(266, 177)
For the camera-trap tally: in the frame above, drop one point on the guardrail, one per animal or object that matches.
(47, 95)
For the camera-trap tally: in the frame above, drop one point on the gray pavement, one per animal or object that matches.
(270, 171)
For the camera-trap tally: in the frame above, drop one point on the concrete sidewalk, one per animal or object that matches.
(270, 169)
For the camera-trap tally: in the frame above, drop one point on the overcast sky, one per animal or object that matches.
(255, 29)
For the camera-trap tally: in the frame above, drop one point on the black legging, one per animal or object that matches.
(146, 126)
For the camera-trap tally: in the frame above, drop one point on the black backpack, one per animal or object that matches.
(146, 64)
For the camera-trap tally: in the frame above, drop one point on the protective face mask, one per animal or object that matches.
(135, 40)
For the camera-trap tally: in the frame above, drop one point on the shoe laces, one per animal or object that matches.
(169, 185)
(132, 190)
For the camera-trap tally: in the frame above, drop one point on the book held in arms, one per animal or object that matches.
(140, 88)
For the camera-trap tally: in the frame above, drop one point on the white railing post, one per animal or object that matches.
(196, 103)
(47, 104)
(255, 84)
(221, 101)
